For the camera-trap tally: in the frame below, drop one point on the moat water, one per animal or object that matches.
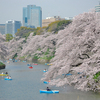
(26, 83)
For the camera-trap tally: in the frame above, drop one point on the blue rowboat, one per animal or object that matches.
(67, 74)
(24, 61)
(46, 82)
(10, 59)
(7, 79)
(15, 60)
(44, 70)
(51, 91)
(29, 65)
(46, 63)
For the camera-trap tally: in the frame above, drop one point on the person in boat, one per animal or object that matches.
(48, 89)
(6, 73)
(2, 73)
(45, 70)
(9, 77)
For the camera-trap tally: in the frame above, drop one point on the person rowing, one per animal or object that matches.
(48, 89)
(9, 77)
(6, 73)
(2, 73)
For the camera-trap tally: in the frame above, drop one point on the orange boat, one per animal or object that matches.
(30, 67)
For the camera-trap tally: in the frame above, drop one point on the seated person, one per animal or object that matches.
(48, 89)
(9, 77)
(2, 73)
(6, 73)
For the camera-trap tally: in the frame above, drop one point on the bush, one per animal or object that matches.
(9, 37)
(22, 58)
(2, 66)
(96, 76)
(15, 56)
(57, 25)
(24, 32)
(35, 57)
(47, 52)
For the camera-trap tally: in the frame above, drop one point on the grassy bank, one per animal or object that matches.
(2, 66)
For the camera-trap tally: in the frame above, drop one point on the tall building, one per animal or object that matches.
(25, 16)
(97, 8)
(32, 16)
(2, 28)
(11, 27)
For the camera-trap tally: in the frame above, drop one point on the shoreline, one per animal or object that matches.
(2, 65)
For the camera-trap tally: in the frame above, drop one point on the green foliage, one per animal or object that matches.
(9, 37)
(87, 76)
(29, 55)
(52, 26)
(63, 22)
(24, 41)
(57, 25)
(1, 64)
(15, 56)
(47, 52)
(34, 33)
(26, 35)
(39, 49)
(35, 57)
(23, 28)
(47, 58)
(96, 76)
(20, 47)
(38, 30)
(24, 32)
(22, 58)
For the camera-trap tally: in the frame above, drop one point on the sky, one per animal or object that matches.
(13, 9)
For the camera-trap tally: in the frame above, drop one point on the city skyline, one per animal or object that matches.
(32, 16)
(12, 9)
(11, 27)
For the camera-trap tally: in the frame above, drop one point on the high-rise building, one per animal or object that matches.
(11, 27)
(2, 28)
(97, 8)
(32, 16)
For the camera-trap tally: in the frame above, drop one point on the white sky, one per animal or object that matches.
(12, 9)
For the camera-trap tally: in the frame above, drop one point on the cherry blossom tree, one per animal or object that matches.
(77, 51)
(3, 48)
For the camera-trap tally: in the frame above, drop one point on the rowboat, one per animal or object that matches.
(7, 78)
(51, 91)
(44, 70)
(31, 67)
(3, 74)
(23, 61)
(46, 82)
(67, 74)
(49, 64)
